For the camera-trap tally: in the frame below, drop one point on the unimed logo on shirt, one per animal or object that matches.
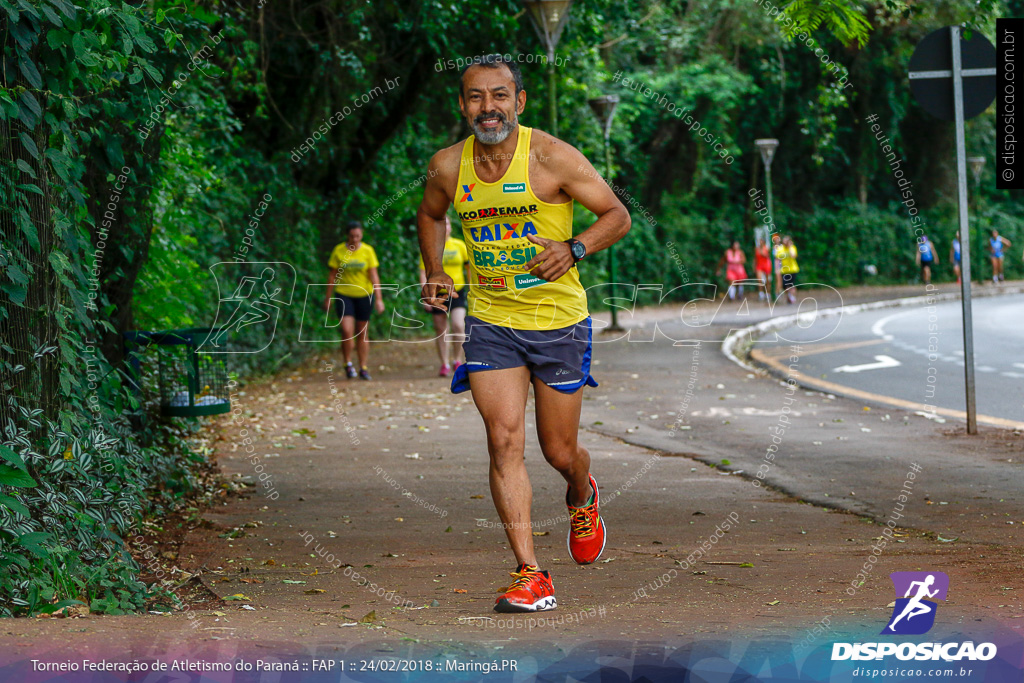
(513, 188)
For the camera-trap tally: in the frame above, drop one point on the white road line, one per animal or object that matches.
(882, 362)
(878, 329)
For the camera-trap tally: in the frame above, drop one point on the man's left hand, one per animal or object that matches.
(552, 263)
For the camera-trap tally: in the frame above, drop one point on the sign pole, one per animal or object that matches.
(965, 232)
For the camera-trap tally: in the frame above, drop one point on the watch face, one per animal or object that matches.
(578, 251)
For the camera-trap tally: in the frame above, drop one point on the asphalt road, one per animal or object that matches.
(916, 354)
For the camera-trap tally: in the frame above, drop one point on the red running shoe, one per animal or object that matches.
(531, 591)
(586, 529)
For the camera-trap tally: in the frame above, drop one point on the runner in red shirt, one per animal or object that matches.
(735, 270)
(763, 268)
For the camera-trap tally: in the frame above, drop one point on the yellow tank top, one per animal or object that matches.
(496, 220)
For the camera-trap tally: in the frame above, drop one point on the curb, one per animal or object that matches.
(734, 351)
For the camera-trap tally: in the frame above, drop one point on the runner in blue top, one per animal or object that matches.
(954, 256)
(995, 249)
(925, 258)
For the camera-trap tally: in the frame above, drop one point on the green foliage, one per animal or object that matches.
(76, 474)
(844, 19)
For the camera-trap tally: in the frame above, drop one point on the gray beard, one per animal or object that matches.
(498, 136)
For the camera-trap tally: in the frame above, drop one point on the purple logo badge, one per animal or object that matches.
(915, 608)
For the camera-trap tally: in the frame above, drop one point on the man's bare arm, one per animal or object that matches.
(430, 226)
(581, 182)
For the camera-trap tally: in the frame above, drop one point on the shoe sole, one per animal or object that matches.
(542, 605)
(568, 545)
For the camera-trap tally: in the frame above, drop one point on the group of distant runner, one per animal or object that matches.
(780, 261)
(774, 266)
(927, 256)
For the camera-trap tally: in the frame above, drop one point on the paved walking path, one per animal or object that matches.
(383, 485)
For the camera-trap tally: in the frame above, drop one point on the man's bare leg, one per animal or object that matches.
(500, 396)
(558, 424)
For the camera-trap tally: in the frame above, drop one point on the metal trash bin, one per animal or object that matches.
(192, 384)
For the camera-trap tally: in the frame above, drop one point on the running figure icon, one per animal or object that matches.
(916, 606)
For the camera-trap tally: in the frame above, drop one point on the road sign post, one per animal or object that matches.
(965, 229)
(934, 61)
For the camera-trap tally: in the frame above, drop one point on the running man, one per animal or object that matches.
(995, 249)
(914, 606)
(454, 262)
(352, 269)
(926, 258)
(954, 255)
(513, 188)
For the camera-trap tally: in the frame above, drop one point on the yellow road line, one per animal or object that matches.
(834, 388)
(812, 349)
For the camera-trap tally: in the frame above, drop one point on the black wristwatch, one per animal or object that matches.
(578, 249)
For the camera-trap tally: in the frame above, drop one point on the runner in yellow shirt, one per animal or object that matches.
(528, 324)
(454, 261)
(786, 255)
(352, 269)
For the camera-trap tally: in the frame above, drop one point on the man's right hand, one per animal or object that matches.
(437, 290)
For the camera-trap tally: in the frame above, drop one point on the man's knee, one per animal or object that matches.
(505, 439)
(561, 453)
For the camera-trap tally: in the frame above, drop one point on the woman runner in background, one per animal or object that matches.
(926, 258)
(735, 270)
(352, 269)
(995, 249)
(786, 254)
(763, 268)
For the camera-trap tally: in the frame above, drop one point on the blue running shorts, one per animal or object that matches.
(559, 358)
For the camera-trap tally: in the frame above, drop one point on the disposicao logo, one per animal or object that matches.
(914, 614)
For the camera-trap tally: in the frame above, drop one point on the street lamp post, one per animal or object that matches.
(977, 164)
(767, 147)
(604, 110)
(548, 18)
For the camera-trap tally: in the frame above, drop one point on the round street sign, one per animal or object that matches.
(934, 92)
